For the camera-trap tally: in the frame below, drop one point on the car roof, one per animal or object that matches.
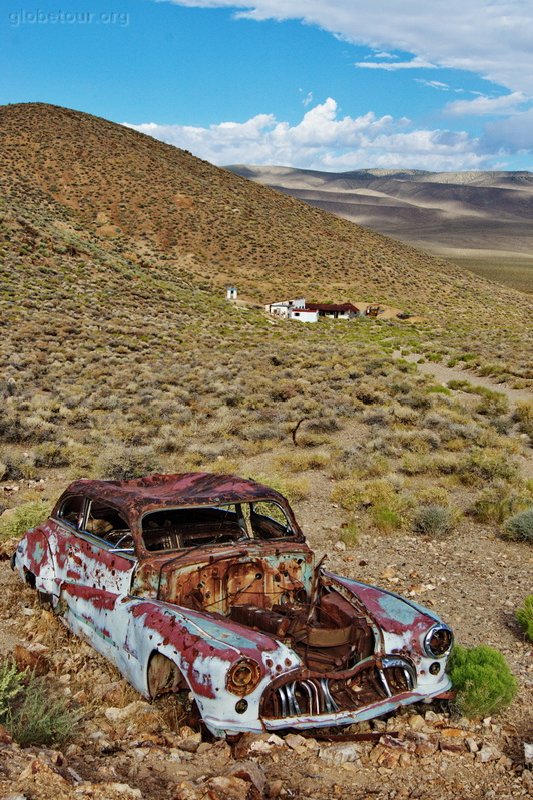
(160, 491)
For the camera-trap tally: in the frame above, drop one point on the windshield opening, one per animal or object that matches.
(182, 528)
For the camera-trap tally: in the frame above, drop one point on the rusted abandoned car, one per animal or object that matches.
(205, 582)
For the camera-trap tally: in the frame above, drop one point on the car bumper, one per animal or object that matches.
(221, 727)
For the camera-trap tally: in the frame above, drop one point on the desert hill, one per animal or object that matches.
(482, 220)
(129, 211)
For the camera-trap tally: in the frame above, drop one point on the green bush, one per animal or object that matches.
(29, 711)
(26, 516)
(482, 679)
(496, 504)
(524, 616)
(349, 534)
(386, 519)
(520, 527)
(433, 520)
(11, 685)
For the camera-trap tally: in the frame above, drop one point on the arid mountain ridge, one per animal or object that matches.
(469, 216)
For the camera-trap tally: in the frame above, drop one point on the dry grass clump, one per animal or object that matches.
(523, 414)
(302, 461)
(498, 501)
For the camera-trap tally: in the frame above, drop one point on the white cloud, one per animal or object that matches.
(512, 135)
(323, 140)
(443, 87)
(415, 63)
(489, 37)
(484, 106)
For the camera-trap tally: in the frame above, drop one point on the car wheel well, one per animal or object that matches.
(164, 675)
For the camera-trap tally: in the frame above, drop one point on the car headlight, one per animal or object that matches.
(438, 641)
(243, 676)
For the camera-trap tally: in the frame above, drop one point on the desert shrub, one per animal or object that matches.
(386, 519)
(294, 489)
(433, 520)
(432, 495)
(520, 527)
(486, 465)
(26, 516)
(29, 711)
(493, 404)
(324, 425)
(301, 461)
(496, 504)
(349, 534)
(416, 400)
(523, 414)
(52, 454)
(524, 616)
(482, 679)
(123, 463)
(18, 465)
(353, 494)
(379, 415)
(458, 384)
(11, 685)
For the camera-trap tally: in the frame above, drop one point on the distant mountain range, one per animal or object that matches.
(474, 218)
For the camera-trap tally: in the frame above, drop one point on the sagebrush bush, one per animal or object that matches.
(433, 520)
(523, 414)
(26, 516)
(482, 679)
(349, 534)
(30, 711)
(520, 527)
(125, 463)
(486, 465)
(524, 616)
(496, 503)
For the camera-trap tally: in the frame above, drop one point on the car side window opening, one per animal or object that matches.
(108, 524)
(71, 511)
(269, 521)
(177, 528)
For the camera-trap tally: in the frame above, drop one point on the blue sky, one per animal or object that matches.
(322, 84)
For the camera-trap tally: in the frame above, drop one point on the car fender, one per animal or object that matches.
(34, 562)
(403, 623)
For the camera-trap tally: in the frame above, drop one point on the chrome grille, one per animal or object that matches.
(322, 695)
